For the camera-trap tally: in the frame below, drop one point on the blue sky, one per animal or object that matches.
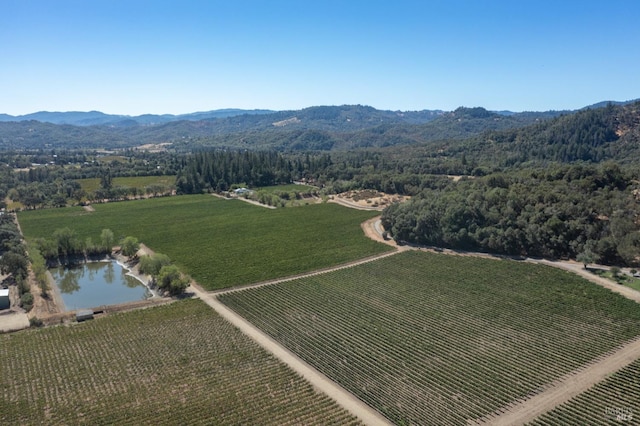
(134, 57)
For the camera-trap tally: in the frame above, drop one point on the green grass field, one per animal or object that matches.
(222, 243)
(435, 339)
(175, 364)
(140, 182)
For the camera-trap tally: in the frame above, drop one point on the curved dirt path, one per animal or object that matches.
(246, 200)
(318, 380)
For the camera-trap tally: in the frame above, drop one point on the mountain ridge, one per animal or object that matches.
(93, 117)
(315, 128)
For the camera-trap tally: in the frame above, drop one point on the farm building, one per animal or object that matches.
(83, 315)
(4, 299)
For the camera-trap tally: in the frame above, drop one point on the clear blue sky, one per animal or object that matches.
(134, 57)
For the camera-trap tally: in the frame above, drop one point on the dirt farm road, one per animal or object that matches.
(517, 413)
(568, 386)
(318, 380)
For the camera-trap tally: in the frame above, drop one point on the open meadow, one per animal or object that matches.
(428, 338)
(176, 364)
(222, 243)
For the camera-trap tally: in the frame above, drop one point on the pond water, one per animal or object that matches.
(97, 283)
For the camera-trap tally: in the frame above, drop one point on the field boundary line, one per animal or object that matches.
(565, 388)
(319, 381)
(305, 274)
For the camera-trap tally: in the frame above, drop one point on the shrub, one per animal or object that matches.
(130, 246)
(26, 301)
(170, 279)
(35, 322)
(151, 265)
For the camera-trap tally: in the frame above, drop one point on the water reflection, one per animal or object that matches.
(109, 276)
(69, 282)
(96, 284)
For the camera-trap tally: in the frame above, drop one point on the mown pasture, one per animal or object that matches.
(615, 400)
(435, 339)
(139, 182)
(175, 364)
(222, 243)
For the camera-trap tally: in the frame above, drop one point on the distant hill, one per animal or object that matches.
(589, 135)
(93, 118)
(228, 129)
(605, 103)
(316, 128)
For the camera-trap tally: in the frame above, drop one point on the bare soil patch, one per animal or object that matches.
(366, 199)
(154, 147)
(13, 321)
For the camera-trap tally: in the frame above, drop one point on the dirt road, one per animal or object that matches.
(319, 381)
(573, 383)
(307, 274)
(578, 268)
(373, 230)
(354, 205)
(567, 387)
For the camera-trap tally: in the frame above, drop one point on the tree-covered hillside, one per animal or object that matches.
(316, 128)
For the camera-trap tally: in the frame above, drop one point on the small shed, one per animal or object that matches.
(83, 315)
(5, 303)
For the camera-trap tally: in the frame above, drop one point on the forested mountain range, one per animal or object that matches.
(592, 134)
(91, 118)
(314, 128)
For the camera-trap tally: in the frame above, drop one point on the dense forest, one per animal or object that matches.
(558, 212)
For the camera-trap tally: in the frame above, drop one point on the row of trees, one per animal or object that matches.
(14, 261)
(66, 246)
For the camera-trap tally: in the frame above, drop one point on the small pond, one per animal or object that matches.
(97, 283)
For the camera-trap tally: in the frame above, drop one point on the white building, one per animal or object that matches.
(4, 299)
